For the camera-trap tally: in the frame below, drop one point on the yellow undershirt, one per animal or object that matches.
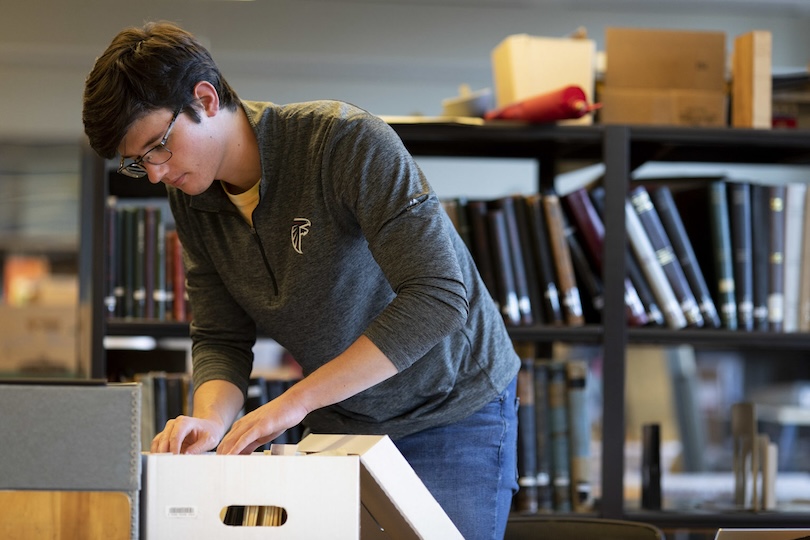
(245, 202)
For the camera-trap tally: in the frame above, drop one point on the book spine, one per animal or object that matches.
(128, 250)
(589, 224)
(180, 309)
(794, 218)
(161, 400)
(645, 254)
(776, 254)
(723, 259)
(481, 252)
(571, 301)
(558, 425)
(533, 279)
(463, 221)
(804, 288)
(648, 216)
(139, 264)
(159, 296)
(150, 231)
(544, 261)
(592, 292)
(580, 434)
(526, 500)
(676, 232)
(760, 250)
(516, 255)
(649, 305)
(645, 293)
(502, 263)
(739, 203)
(543, 436)
(112, 260)
(175, 398)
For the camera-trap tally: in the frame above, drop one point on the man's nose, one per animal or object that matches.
(156, 173)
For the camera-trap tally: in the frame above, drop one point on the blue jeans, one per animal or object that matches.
(470, 467)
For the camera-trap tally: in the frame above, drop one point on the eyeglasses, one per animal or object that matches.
(157, 155)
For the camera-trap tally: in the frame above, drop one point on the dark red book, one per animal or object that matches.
(591, 230)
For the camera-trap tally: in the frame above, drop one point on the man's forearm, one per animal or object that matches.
(361, 366)
(219, 401)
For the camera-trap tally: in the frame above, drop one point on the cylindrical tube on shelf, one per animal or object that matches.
(651, 467)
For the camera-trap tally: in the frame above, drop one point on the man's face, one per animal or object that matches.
(192, 157)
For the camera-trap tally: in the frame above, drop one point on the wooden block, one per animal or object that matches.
(751, 80)
(65, 515)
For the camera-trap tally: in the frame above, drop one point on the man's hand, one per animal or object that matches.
(188, 435)
(216, 404)
(261, 426)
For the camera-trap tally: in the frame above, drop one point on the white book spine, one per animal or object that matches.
(794, 231)
(643, 249)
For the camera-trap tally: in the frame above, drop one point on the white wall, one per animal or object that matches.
(391, 57)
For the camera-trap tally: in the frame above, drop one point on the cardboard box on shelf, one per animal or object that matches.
(663, 107)
(334, 486)
(38, 340)
(664, 77)
(665, 59)
(524, 66)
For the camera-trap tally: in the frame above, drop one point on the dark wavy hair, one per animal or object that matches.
(143, 70)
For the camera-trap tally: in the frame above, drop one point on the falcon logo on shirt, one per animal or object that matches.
(299, 230)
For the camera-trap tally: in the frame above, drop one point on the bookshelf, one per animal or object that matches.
(621, 149)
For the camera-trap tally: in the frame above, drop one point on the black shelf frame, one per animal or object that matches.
(622, 149)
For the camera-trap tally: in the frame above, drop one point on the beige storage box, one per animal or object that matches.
(525, 66)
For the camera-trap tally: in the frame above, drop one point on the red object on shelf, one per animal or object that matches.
(565, 103)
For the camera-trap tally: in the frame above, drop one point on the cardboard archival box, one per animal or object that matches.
(334, 486)
(69, 436)
(665, 59)
(524, 66)
(663, 107)
(665, 77)
(38, 340)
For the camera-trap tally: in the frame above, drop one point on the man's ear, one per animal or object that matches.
(207, 97)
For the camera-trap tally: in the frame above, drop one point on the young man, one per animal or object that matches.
(310, 223)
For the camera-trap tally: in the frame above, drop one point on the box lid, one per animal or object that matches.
(390, 491)
(70, 436)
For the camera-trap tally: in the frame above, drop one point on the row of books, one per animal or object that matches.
(735, 263)
(554, 435)
(533, 261)
(745, 245)
(167, 395)
(145, 273)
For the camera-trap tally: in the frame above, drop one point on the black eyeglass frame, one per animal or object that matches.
(135, 168)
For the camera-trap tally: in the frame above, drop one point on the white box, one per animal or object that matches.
(336, 487)
(524, 66)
